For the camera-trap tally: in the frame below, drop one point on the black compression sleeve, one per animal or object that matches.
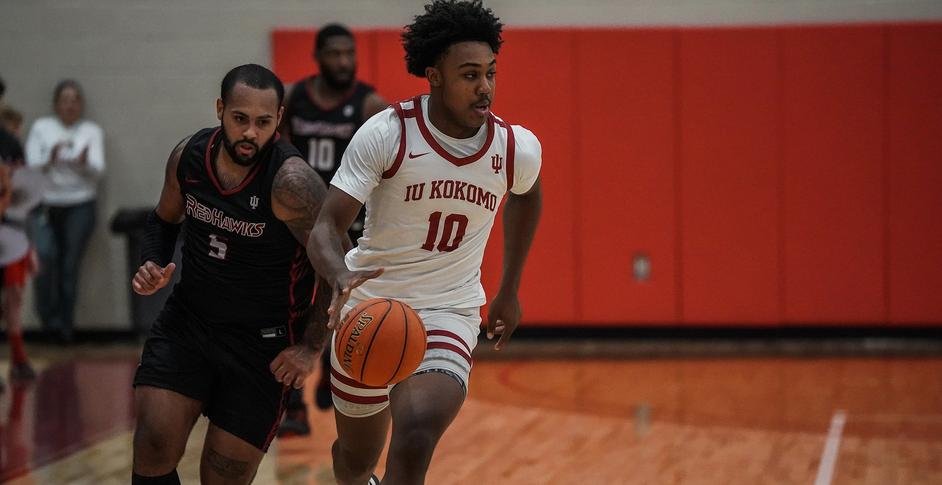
(160, 240)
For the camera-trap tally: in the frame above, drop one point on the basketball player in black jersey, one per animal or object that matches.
(240, 328)
(322, 112)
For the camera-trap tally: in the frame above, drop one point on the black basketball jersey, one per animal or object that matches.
(241, 265)
(322, 135)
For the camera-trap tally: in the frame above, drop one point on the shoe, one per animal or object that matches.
(22, 372)
(373, 480)
(323, 398)
(294, 424)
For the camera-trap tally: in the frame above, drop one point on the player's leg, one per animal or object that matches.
(247, 406)
(164, 421)
(359, 444)
(322, 395)
(20, 370)
(228, 459)
(172, 383)
(425, 404)
(422, 406)
(362, 416)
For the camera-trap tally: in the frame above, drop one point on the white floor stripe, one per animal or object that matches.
(831, 447)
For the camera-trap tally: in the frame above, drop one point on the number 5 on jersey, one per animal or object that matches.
(451, 235)
(217, 247)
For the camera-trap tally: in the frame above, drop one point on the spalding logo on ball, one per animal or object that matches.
(381, 342)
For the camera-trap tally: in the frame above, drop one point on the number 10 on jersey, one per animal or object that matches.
(451, 234)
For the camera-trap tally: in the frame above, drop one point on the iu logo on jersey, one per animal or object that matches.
(497, 162)
(253, 201)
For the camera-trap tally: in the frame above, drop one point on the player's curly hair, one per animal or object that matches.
(447, 22)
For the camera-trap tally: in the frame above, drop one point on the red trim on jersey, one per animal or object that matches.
(358, 399)
(432, 142)
(452, 347)
(453, 336)
(350, 382)
(511, 151)
(212, 171)
(402, 143)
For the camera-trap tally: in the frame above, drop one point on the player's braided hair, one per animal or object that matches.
(447, 22)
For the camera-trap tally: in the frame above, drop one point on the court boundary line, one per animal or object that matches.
(831, 447)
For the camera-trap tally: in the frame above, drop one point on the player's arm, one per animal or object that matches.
(328, 244)
(369, 154)
(297, 196)
(373, 103)
(521, 216)
(161, 230)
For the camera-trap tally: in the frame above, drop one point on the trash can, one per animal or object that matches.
(144, 309)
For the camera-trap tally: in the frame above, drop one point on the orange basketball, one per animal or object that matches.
(381, 342)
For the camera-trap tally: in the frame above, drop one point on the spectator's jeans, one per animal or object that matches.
(60, 236)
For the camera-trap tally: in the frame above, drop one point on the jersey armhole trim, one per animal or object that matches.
(511, 151)
(400, 155)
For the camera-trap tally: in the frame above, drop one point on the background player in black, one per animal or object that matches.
(225, 344)
(322, 113)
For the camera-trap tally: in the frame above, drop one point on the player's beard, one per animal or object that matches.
(239, 159)
(339, 84)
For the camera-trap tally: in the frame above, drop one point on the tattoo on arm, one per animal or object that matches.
(297, 195)
(316, 332)
(224, 466)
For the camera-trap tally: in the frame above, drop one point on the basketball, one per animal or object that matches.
(381, 342)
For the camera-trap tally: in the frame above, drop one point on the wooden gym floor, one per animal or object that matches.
(556, 413)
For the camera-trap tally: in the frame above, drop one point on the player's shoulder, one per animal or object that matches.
(384, 123)
(364, 88)
(527, 146)
(296, 88)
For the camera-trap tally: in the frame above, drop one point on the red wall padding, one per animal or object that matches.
(623, 145)
(833, 199)
(772, 175)
(729, 152)
(914, 177)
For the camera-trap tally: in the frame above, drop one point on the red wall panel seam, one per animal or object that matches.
(575, 149)
(780, 160)
(678, 166)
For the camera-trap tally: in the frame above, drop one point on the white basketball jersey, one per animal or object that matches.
(428, 212)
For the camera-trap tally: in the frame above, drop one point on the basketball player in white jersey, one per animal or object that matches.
(432, 172)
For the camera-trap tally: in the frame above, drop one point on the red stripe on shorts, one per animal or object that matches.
(452, 347)
(451, 335)
(358, 399)
(350, 382)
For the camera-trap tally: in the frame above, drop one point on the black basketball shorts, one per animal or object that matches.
(226, 368)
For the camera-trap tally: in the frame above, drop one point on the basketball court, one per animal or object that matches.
(562, 412)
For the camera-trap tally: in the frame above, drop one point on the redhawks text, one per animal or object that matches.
(218, 218)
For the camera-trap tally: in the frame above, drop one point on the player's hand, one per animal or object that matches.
(341, 288)
(150, 278)
(292, 366)
(503, 316)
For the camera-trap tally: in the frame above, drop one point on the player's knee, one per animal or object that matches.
(348, 461)
(414, 446)
(155, 448)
